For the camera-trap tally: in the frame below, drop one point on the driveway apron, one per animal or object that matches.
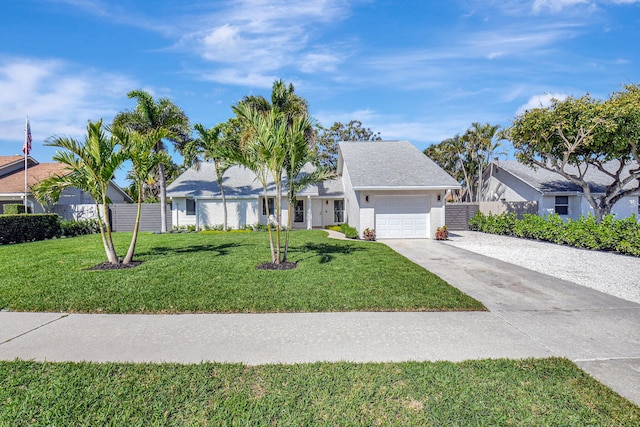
(599, 332)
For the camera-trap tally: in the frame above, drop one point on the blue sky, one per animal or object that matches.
(417, 70)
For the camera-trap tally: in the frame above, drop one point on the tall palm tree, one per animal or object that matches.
(91, 165)
(139, 149)
(264, 154)
(212, 145)
(481, 138)
(298, 154)
(150, 115)
(266, 127)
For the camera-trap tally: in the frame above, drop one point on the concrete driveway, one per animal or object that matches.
(599, 332)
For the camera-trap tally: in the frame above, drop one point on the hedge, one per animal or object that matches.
(615, 235)
(27, 228)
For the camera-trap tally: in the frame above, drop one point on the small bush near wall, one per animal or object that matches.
(79, 228)
(616, 235)
(349, 232)
(27, 228)
(15, 209)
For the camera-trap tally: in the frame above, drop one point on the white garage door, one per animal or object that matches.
(402, 217)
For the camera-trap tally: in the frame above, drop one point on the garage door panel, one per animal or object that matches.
(401, 217)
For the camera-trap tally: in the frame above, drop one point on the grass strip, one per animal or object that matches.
(197, 273)
(532, 392)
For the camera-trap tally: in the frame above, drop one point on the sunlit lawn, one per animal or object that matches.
(216, 273)
(544, 392)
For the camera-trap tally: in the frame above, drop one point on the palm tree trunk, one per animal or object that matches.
(224, 199)
(162, 181)
(278, 225)
(132, 246)
(286, 233)
(107, 239)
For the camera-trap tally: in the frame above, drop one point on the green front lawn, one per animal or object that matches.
(216, 273)
(544, 392)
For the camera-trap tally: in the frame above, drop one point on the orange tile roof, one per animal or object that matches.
(14, 182)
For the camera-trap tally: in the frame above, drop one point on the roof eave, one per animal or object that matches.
(406, 187)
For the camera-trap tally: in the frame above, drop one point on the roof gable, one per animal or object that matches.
(391, 164)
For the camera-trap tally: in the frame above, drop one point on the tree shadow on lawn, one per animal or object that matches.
(222, 249)
(324, 251)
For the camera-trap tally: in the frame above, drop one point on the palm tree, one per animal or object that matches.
(148, 116)
(139, 149)
(264, 154)
(298, 154)
(213, 146)
(91, 166)
(265, 129)
(482, 146)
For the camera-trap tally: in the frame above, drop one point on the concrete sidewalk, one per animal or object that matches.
(531, 315)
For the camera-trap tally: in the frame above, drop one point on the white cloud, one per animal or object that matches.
(58, 98)
(263, 37)
(541, 101)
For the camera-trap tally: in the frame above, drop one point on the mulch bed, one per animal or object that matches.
(109, 266)
(274, 266)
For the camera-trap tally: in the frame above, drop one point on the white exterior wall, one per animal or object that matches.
(436, 213)
(626, 207)
(367, 211)
(179, 217)
(240, 212)
(351, 202)
(623, 208)
(504, 186)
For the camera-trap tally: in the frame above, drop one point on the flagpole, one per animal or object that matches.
(26, 148)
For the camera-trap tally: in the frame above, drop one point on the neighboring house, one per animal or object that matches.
(513, 181)
(73, 203)
(389, 186)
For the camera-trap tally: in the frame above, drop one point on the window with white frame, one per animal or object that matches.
(268, 205)
(562, 205)
(191, 207)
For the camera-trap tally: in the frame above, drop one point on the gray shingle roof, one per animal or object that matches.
(550, 182)
(237, 181)
(389, 164)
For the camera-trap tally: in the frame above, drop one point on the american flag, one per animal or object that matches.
(26, 148)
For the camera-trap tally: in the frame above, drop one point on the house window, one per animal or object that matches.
(191, 207)
(299, 211)
(338, 211)
(268, 203)
(562, 205)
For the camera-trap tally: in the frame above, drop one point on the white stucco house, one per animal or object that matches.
(512, 181)
(389, 186)
(73, 203)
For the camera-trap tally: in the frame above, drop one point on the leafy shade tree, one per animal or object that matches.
(148, 116)
(91, 165)
(327, 139)
(140, 150)
(212, 145)
(572, 136)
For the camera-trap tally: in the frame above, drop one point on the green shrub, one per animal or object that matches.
(621, 236)
(350, 232)
(28, 228)
(15, 209)
(72, 228)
